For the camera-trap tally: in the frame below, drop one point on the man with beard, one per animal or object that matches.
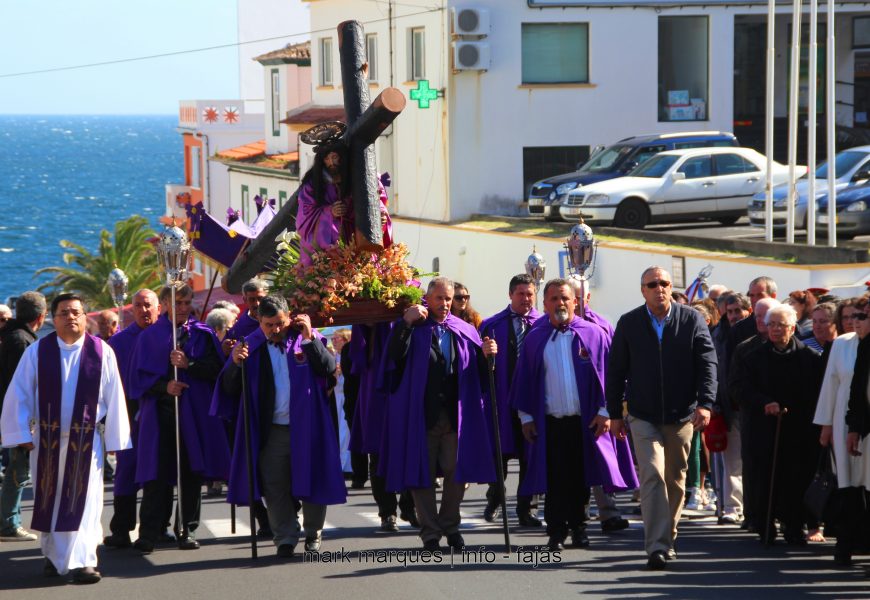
(325, 214)
(663, 356)
(558, 391)
(509, 328)
(434, 372)
(204, 448)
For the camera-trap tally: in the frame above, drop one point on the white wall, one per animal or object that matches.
(294, 84)
(485, 262)
(254, 182)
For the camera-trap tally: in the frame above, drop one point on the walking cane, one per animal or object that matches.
(233, 518)
(499, 466)
(767, 539)
(250, 459)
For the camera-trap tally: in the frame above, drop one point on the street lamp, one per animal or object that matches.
(536, 267)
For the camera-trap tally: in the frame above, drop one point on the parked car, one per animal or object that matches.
(615, 161)
(852, 212)
(851, 166)
(702, 183)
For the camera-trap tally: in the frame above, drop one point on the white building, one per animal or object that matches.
(528, 88)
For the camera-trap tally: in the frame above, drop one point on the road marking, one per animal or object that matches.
(221, 528)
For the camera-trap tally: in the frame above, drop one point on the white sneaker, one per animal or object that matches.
(19, 535)
(693, 500)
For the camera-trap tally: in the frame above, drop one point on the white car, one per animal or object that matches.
(677, 185)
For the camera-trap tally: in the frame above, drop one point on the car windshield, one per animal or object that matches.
(844, 162)
(607, 159)
(656, 166)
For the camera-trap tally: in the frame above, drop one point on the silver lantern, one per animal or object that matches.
(581, 249)
(536, 268)
(117, 284)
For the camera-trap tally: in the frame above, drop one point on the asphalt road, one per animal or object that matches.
(714, 562)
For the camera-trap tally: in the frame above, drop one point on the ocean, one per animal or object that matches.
(69, 177)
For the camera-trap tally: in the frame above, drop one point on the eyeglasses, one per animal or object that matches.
(462, 297)
(651, 285)
(75, 314)
(860, 316)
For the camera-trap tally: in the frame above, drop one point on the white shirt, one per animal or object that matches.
(281, 375)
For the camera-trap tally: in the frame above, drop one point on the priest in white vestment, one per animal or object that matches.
(65, 384)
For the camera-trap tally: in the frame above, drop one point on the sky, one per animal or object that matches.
(47, 34)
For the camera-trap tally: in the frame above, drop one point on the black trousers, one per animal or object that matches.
(387, 501)
(124, 515)
(359, 464)
(152, 512)
(852, 521)
(567, 491)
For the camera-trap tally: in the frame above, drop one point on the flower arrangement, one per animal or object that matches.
(339, 274)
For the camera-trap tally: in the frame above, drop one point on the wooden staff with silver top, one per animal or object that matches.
(581, 247)
(536, 267)
(173, 253)
(117, 284)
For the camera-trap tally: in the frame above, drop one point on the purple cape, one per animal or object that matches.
(404, 455)
(203, 436)
(315, 465)
(607, 461)
(245, 326)
(594, 317)
(496, 327)
(367, 346)
(123, 343)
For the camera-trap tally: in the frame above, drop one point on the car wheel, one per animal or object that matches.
(728, 221)
(631, 214)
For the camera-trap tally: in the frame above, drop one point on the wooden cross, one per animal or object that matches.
(365, 122)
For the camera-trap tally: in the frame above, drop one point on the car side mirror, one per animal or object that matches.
(630, 165)
(860, 175)
(677, 176)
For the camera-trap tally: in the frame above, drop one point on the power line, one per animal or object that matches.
(207, 49)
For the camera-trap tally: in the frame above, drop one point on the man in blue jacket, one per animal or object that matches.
(663, 363)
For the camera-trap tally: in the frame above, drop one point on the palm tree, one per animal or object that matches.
(87, 273)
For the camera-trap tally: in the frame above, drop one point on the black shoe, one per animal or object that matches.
(432, 545)
(528, 520)
(49, 570)
(614, 524)
(117, 541)
(455, 541)
(388, 524)
(579, 539)
(312, 543)
(86, 575)
(491, 512)
(188, 542)
(143, 546)
(411, 518)
(166, 538)
(658, 560)
(554, 543)
(286, 551)
(358, 485)
(265, 533)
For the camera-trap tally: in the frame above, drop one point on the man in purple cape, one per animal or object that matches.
(293, 440)
(145, 312)
(508, 328)
(558, 389)
(433, 373)
(253, 291)
(325, 214)
(205, 450)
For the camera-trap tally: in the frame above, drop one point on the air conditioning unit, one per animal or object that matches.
(471, 56)
(470, 21)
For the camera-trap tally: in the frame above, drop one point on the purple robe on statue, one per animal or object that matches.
(245, 326)
(367, 344)
(496, 327)
(318, 229)
(315, 465)
(404, 454)
(607, 461)
(123, 343)
(203, 436)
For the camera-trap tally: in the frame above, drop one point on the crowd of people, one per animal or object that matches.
(727, 402)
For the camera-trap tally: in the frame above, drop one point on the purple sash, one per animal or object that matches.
(81, 435)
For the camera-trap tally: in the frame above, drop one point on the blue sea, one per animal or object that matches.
(69, 177)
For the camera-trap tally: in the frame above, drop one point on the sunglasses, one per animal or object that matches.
(462, 297)
(860, 316)
(651, 285)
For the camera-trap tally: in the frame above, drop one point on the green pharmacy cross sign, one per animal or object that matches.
(424, 94)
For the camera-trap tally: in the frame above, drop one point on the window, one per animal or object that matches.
(684, 74)
(645, 152)
(555, 52)
(276, 103)
(655, 167)
(326, 61)
(860, 32)
(695, 168)
(245, 197)
(195, 167)
(282, 198)
(733, 164)
(372, 55)
(417, 63)
(539, 163)
(264, 194)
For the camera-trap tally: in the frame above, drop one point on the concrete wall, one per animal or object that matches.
(485, 262)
